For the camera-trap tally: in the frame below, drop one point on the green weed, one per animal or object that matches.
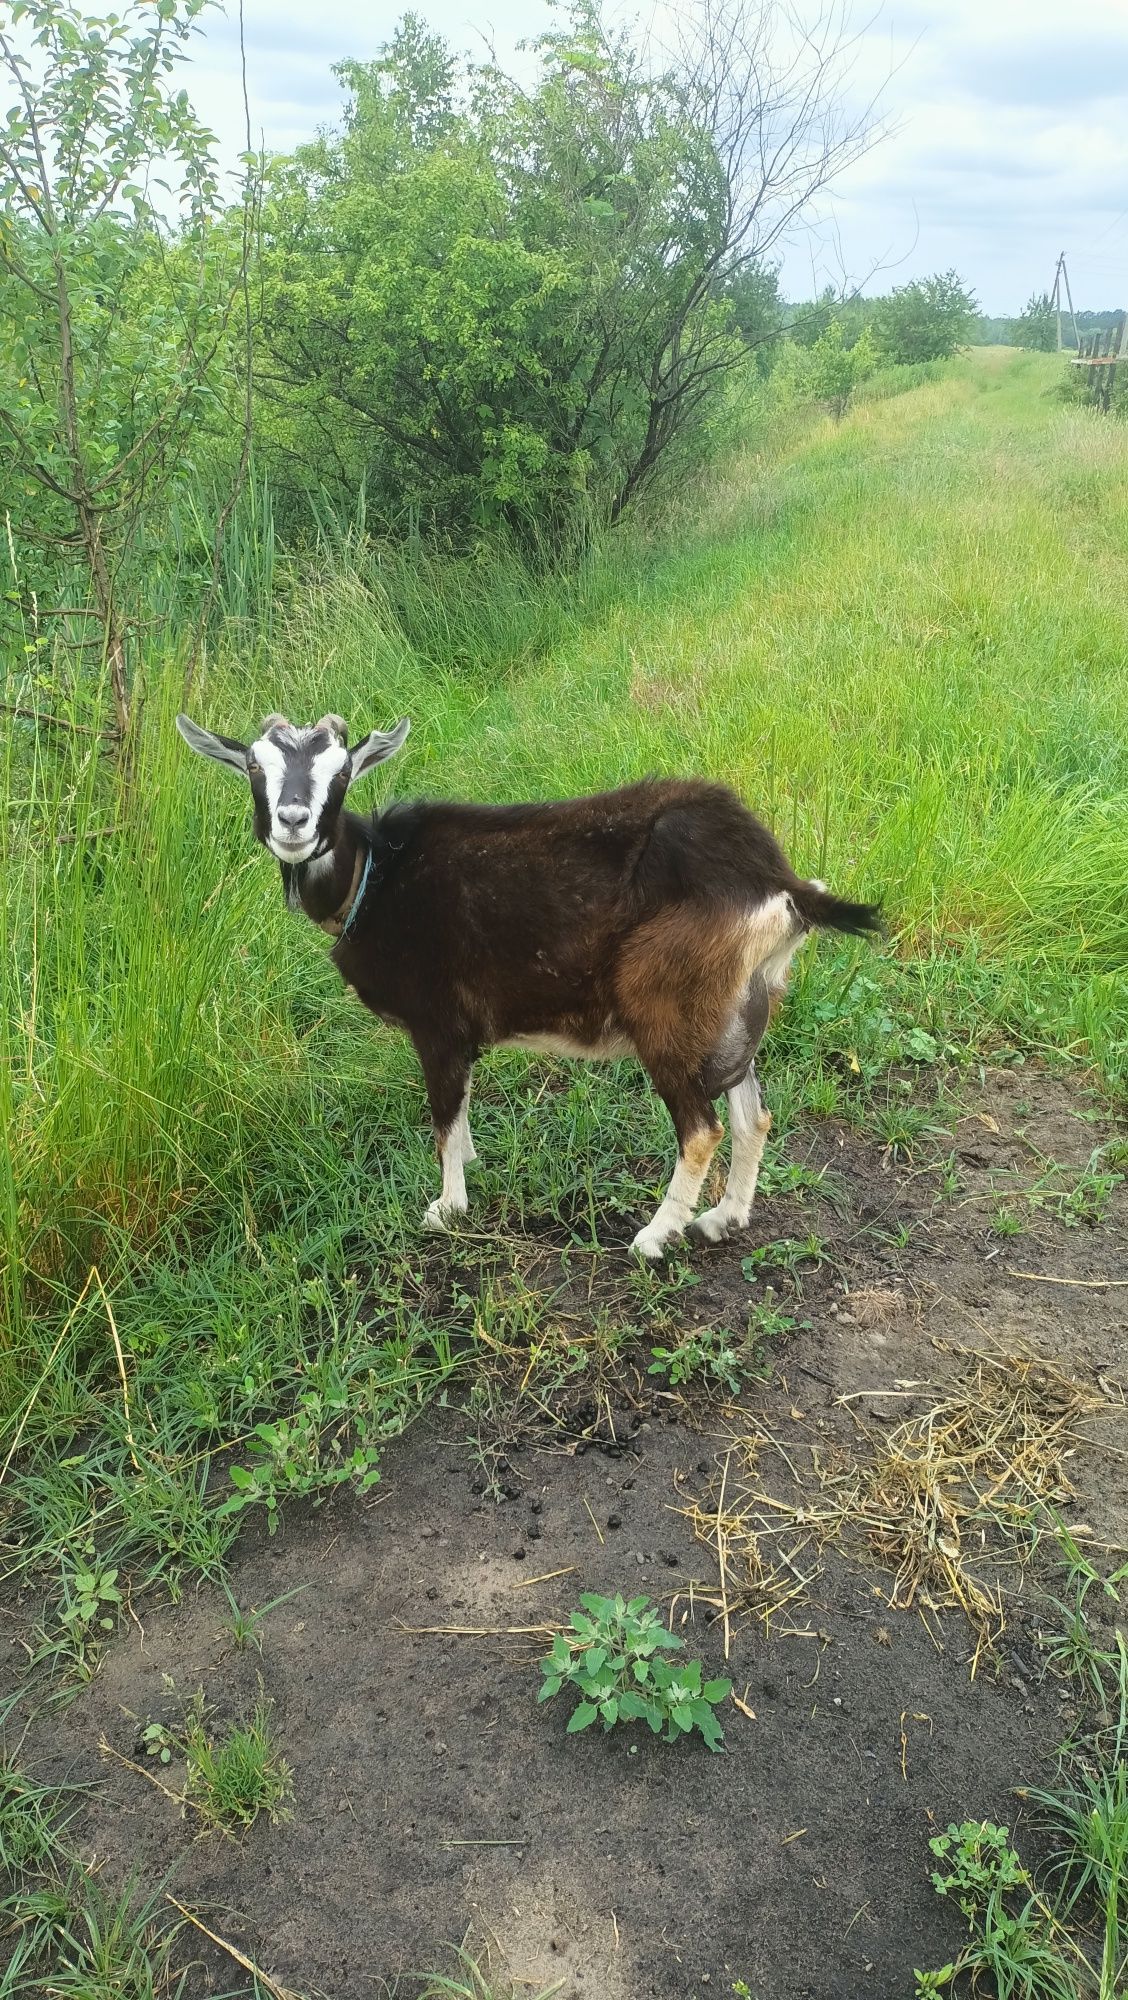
(612, 1658)
(790, 1254)
(706, 1354)
(245, 1624)
(1013, 1938)
(471, 1982)
(234, 1778)
(30, 1829)
(292, 1460)
(71, 1935)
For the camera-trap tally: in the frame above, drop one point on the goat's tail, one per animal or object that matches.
(820, 910)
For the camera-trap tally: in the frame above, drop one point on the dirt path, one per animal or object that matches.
(433, 1798)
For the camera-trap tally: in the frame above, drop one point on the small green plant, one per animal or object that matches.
(705, 1353)
(981, 1863)
(612, 1658)
(932, 1982)
(72, 1937)
(789, 1254)
(1087, 1201)
(158, 1742)
(1013, 1938)
(29, 1829)
(245, 1624)
(1006, 1221)
(796, 1177)
(822, 1095)
(469, 1982)
(1072, 1648)
(901, 1127)
(89, 1598)
(303, 1456)
(236, 1777)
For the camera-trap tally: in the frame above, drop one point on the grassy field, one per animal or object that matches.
(902, 637)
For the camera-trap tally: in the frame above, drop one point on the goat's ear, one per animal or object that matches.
(376, 747)
(224, 749)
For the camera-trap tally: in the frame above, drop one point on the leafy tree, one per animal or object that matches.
(757, 310)
(1036, 325)
(837, 367)
(990, 331)
(110, 327)
(490, 303)
(926, 320)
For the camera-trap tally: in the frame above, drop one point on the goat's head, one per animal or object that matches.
(298, 777)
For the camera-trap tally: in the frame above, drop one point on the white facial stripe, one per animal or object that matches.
(323, 770)
(273, 762)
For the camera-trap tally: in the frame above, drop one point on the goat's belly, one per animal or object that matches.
(607, 1047)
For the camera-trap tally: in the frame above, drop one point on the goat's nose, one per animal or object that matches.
(294, 817)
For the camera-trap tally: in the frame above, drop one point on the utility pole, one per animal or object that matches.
(1061, 277)
(1072, 314)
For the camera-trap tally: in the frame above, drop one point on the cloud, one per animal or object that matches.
(1009, 130)
(1069, 71)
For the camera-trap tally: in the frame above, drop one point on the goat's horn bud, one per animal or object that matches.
(274, 722)
(335, 726)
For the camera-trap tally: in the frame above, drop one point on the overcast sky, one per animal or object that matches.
(1008, 140)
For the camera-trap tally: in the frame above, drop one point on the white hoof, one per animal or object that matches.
(716, 1225)
(439, 1215)
(652, 1243)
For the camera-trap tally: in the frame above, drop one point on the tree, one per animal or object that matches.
(110, 324)
(510, 311)
(926, 320)
(837, 366)
(1036, 325)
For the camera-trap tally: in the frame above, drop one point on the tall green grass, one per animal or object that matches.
(902, 637)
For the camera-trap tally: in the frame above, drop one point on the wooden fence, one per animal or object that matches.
(1101, 352)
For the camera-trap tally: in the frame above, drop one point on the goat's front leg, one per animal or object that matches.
(446, 1072)
(699, 1133)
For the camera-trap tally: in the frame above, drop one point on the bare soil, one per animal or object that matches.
(433, 1797)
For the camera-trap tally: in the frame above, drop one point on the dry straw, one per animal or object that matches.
(948, 1499)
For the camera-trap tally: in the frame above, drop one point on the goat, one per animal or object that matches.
(658, 921)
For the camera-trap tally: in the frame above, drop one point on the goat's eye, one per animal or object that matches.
(253, 769)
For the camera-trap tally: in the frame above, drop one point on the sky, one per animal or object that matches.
(1005, 142)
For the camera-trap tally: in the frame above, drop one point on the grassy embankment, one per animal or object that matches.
(902, 637)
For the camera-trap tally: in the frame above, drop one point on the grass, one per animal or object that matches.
(902, 637)
(1060, 1933)
(233, 1778)
(63, 1930)
(470, 1982)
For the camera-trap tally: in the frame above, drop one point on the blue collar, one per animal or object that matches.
(359, 897)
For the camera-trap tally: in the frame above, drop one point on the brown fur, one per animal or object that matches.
(636, 918)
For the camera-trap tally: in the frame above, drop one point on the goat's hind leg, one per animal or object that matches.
(699, 1133)
(731, 1068)
(749, 1125)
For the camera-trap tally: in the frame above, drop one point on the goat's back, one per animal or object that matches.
(649, 844)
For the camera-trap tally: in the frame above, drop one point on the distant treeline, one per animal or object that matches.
(1036, 326)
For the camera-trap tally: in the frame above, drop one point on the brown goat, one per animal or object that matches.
(657, 921)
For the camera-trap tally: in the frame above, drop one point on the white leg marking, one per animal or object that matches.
(749, 1124)
(454, 1150)
(467, 1143)
(681, 1195)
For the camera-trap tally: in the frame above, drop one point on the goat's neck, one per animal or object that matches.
(325, 888)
